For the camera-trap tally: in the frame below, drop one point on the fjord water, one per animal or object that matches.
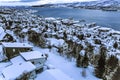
(103, 18)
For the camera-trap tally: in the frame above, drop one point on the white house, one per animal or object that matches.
(25, 70)
(36, 57)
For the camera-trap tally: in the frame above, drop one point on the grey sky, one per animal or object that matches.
(37, 2)
(40, 0)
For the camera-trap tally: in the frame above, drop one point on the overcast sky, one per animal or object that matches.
(32, 2)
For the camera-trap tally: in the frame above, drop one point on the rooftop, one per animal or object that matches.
(17, 60)
(16, 70)
(32, 55)
(1, 30)
(2, 33)
(104, 29)
(16, 45)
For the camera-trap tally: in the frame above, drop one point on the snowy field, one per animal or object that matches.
(68, 67)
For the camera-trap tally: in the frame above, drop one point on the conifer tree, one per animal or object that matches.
(78, 61)
(100, 68)
(85, 61)
(112, 62)
(115, 45)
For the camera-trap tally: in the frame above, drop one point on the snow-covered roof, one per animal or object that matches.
(25, 30)
(16, 70)
(2, 33)
(74, 38)
(17, 60)
(54, 74)
(32, 55)
(56, 42)
(35, 29)
(115, 32)
(1, 48)
(50, 18)
(16, 45)
(1, 30)
(96, 27)
(104, 29)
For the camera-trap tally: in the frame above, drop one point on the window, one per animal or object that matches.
(33, 62)
(13, 50)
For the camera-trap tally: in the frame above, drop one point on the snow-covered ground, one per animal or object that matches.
(68, 67)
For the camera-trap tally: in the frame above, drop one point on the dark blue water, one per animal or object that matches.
(103, 18)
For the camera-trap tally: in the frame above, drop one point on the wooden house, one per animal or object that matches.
(13, 49)
(36, 57)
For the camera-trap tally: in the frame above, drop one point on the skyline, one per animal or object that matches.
(35, 2)
(42, 0)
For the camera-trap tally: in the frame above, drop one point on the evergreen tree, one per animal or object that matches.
(78, 61)
(81, 36)
(85, 61)
(100, 68)
(112, 62)
(42, 40)
(116, 75)
(65, 35)
(111, 65)
(115, 45)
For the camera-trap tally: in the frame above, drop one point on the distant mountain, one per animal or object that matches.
(107, 3)
(101, 4)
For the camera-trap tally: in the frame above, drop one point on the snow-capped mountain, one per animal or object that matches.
(99, 3)
(108, 3)
(89, 5)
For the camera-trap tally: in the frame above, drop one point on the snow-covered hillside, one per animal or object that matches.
(89, 5)
(75, 50)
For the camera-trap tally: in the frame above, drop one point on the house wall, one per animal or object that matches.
(27, 76)
(32, 75)
(39, 63)
(12, 52)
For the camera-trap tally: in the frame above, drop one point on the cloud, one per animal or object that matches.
(35, 2)
(8, 0)
(29, 0)
(18, 0)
